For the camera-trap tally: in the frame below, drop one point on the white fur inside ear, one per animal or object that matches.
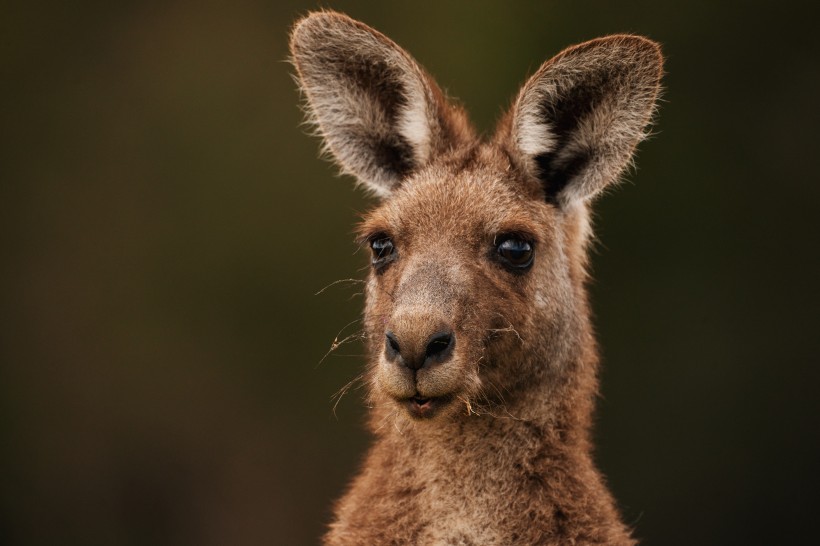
(533, 133)
(414, 123)
(535, 137)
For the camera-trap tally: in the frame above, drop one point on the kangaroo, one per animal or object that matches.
(482, 364)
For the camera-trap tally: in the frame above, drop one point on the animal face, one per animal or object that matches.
(467, 279)
(477, 247)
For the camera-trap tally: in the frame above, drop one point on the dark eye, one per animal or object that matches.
(383, 250)
(516, 252)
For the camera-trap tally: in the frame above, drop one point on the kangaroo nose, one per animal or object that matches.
(438, 344)
(435, 349)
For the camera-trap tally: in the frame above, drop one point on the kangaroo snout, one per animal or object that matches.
(418, 351)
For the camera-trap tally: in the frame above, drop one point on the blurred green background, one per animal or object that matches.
(166, 223)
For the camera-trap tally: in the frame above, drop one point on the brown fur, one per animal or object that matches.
(506, 459)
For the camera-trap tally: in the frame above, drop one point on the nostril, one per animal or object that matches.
(439, 344)
(392, 343)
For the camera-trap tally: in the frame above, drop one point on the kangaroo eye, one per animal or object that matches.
(382, 248)
(516, 252)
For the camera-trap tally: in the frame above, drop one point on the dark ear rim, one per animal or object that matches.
(625, 56)
(420, 123)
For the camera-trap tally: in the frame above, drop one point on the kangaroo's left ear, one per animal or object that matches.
(576, 122)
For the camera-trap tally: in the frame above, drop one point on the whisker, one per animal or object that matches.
(385, 419)
(470, 410)
(489, 406)
(334, 283)
(509, 328)
(338, 395)
(337, 343)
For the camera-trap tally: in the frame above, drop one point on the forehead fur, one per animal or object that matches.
(467, 200)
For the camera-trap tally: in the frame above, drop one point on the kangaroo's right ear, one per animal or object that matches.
(380, 115)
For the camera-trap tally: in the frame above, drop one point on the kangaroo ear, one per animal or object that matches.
(380, 115)
(576, 122)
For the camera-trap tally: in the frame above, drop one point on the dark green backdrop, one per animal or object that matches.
(165, 225)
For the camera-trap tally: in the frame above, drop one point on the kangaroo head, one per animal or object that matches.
(478, 247)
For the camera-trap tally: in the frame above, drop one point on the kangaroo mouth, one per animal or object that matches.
(423, 408)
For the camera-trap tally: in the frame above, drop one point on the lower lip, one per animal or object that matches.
(424, 408)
